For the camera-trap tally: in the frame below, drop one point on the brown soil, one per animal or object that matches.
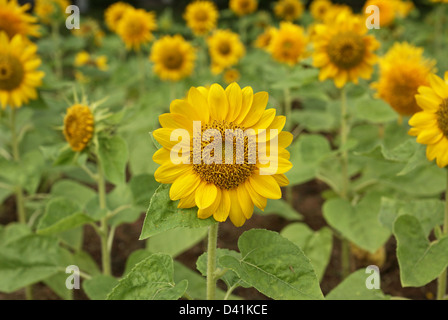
(308, 202)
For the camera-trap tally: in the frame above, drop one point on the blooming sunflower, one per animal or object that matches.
(288, 43)
(14, 19)
(230, 188)
(114, 13)
(343, 51)
(264, 39)
(231, 75)
(18, 75)
(201, 16)
(289, 10)
(225, 48)
(78, 126)
(135, 28)
(388, 10)
(430, 125)
(173, 57)
(47, 10)
(402, 71)
(319, 9)
(243, 7)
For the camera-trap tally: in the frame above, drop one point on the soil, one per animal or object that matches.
(308, 202)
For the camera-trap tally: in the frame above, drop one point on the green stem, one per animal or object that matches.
(211, 260)
(57, 52)
(288, 127)
(441, 281)
(20, 199)
(344, 151)
(345, 250)
(345, 258)
(104, 229)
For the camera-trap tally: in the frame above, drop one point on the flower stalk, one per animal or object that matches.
(211, 260)
(441, 281)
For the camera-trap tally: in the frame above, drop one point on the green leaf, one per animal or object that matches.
(163, 215)
(316, 245)
(27, 260)
(73, 190)
(62, 214)
(98, 287)
(113, 153)
(420, 260)
(360, 223)
(354, 288)
(374, 110)
(143, 187)
(150, 279)
(175, 241)
(281, 208)
(230, 278)
(274, 266)
(306, 154)
(429, 212)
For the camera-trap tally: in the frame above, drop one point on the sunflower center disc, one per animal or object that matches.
(201, 15)
(224, 48)
(173, 60)
(346, 50)
(442, 117)
(227, 175)
(11, 73)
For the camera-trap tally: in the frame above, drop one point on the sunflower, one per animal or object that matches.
(114, 13)
(18, 75)
(83, 58)
(173, 58)
(201, 16)
(14, 19)
(264, 39)
(389, 9)
(78, 126)
(289, 10)
(48, 10)
(402, 71)
(91, 30)
(288, 44)
(319, 9)
(225, 48)
(135, 28)
(430, 125)
(334, 11)
(231, 75)
(243, 7)
(230, 185)
(343, 51)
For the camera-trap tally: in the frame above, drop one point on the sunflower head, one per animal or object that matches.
(402, 71)
(225, 48)
(289, 10)
(201, 16)
(264, 39)
(319, 9)
(388, 10)
(135, 28)
(343, 51)
(220, 164)
(114, 13)
(231, 75)
(50, 10)
(288, 43)
(243, 7)
(173, 58)
(14, 19)
(19, 76)
(78, 126)
(430, 125)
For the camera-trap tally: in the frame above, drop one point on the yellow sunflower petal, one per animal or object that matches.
(184, 185)
(206, 195)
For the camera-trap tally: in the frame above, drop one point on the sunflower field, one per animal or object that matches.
(223, 150)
